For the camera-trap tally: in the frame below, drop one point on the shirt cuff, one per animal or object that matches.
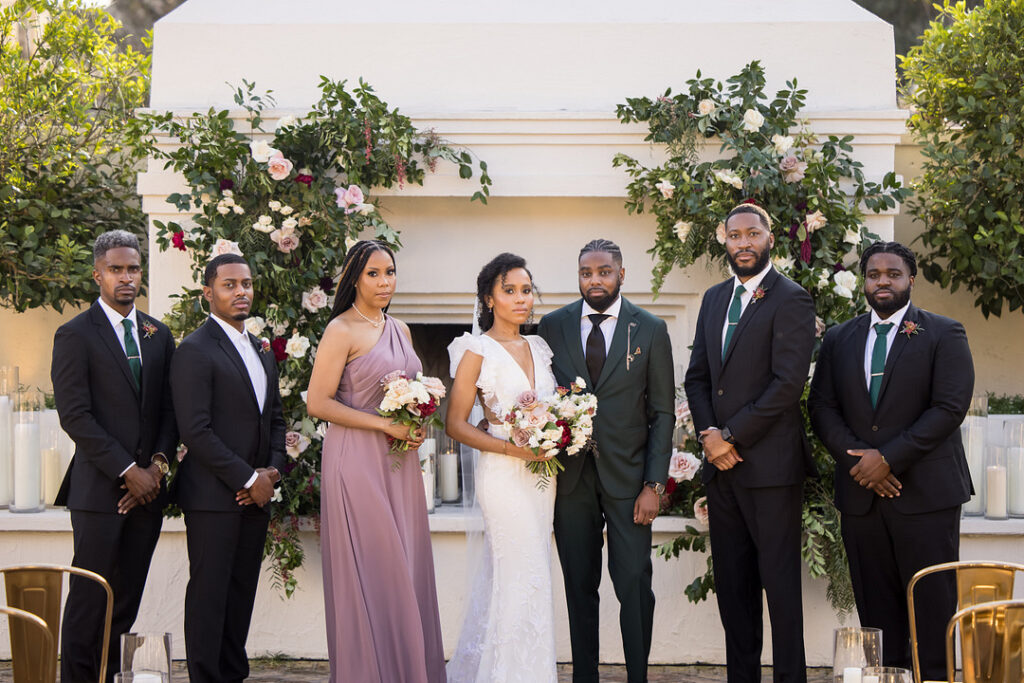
(125, 470)
(700, 437)
(252, 480)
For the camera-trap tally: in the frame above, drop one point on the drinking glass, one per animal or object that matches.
(854, 648)
(886, 674)
(146, 654)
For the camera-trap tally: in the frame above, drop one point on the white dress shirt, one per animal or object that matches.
(251, 360)
(607, 325)
(750, 286)
(896, 318)
(117, 322)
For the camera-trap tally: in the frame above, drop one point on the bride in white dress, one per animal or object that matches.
(508, 632)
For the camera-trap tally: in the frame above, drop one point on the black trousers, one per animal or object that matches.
(118, 548)
(580, 519)
(886, 548)
(225, 553)
(755, 546)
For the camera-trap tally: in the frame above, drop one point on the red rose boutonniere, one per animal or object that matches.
(148, 328)
(264, 345)
(910, 328)
(757, 295)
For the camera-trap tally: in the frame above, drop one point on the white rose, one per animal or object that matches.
(297, 346)
(720, 233)
(286, 210)
(682, 230)
(822, 279)
(237, 209)
(782, 143)
(783, 263)
(286, 121)
(224, 246)
(276, 498)
(705, 107)
(255, 325)
(580, 382)
(261, 151)
(852, 236)
(229, 194)
(260, 226)
(846, 282)
(274, 206)
(223, 209)
(752, 120)
(289, 224)
(205, 198)
(314, 299)
(365, 209)
(666, 188)
(349, 243)
(321, 429)
(815, 221)
(279, 329)
(729, 178)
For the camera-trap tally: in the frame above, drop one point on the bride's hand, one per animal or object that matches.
(528, 454)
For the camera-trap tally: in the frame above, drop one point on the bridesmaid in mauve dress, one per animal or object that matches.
(381, 601)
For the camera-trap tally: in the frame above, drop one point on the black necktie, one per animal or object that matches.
(595, 347)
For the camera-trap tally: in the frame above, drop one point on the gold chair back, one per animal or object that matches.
(34, 651)
(990, 642)
(37, 589)
(977, 582)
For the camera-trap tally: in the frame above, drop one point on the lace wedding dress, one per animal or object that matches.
(508, 633)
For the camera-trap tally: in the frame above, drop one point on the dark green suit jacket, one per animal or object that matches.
(635, 397)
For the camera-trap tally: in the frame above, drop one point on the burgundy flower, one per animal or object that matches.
(838, 267)
(227, 184)
(427, 409)
(805, 250)
(305, 179)
(750, 201)
(278, 345)
(670, 486)
(793, 230)
(289, 466)
(327, 284)
(178, 240)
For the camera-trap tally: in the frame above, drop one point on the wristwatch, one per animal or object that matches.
(727, 435)
(655, 486)
(161, 464)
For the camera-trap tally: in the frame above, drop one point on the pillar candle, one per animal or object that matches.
(28, 485)
(428, 486)
(53, 474)
(870, 679)
(852, 674)
(995, 492)
(6, 450)
(448, 471)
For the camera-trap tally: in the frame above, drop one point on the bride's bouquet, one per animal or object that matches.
(562, 422)
(411, 402)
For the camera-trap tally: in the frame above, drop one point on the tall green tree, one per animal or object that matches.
(69, 146)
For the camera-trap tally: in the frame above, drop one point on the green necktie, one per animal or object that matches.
(735, 309)
(878, 360)
(132, 350)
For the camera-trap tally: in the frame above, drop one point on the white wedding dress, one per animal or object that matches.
(508, 632)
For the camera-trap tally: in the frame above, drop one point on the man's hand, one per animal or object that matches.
(266, 477)
(142, 483)
(718, 451)
(645, 509)
(872, 470)
(889, 488)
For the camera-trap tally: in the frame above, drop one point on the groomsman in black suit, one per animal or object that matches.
(110, 381)
(229, 413)
(626, 355)
(749, 362)
(890, 390)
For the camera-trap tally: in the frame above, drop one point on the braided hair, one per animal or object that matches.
(495, 271)
(351, 268)
(890, 248)
(606, 246)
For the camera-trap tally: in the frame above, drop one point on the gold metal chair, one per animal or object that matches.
(37, 589)
(977, 582)
(990, 642)
(31, 665)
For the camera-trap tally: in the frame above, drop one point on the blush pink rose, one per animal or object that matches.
(434, 386)
(520, 437)
(683, 466)
(286, 240)
(792, 169)
(349, 198)
(527, 399)
(278, 167)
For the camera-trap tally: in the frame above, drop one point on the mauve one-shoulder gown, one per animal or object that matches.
(382, 620)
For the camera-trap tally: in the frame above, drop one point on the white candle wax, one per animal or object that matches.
(428, 487)
(147, 677)
(448, 470)
(28, 484)
(995, 492)
(852, 674)
(1015, 480)
(974, 445)
(869, 679)
(6, 448)
(428, 448)
(53, 474)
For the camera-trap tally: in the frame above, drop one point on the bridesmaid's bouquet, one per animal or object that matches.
(411, 402)
(562, 422)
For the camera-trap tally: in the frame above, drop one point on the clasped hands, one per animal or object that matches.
(262, 490)
(718, 451)
(143, 486)
(873, 472)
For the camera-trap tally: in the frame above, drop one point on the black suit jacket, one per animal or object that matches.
(111, 423)
(926, 390)
(755, 391)
(220, 421)
(635, 404)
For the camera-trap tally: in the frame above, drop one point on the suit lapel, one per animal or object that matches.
(625, 328)
(573, 340)
(713, 332)
(232, 353)
(149, 349)
(898, 344)
(106, 332)
(752, 309)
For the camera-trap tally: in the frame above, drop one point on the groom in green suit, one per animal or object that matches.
(625, 355)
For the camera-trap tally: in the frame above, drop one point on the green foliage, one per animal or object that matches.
(769, 157)
(1008, 404)
(69, 147)
(294, 232)
(965, 83)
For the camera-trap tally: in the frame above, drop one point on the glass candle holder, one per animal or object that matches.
(28, 476)
(428, 467)
(995, 482)
(1014, 439)
(146, 656)
(8, 394)
(973, 432)
(886, 674)
(853, 649)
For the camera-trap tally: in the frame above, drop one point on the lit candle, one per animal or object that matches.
(448, 471)
(6, 448)
(995, 492)
(28, 484)
(852, 674)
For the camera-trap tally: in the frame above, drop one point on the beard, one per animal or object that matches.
(601, 303)
(895, 303)
(759, 264)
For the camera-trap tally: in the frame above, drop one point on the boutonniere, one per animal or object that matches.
(264, 345)
(630, 355)
(757, 295)
(148, 328)
(910, 328)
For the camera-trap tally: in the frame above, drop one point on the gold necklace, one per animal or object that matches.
(375, 323)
